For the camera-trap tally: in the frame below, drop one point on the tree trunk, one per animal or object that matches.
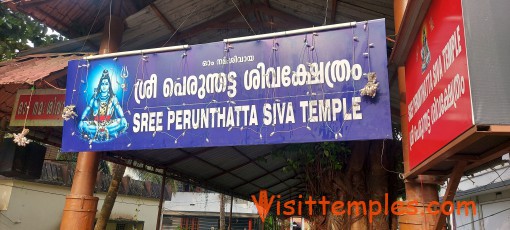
(378, 183)
(357, 178)
(222, 212)
(109, 201)
(361, 179)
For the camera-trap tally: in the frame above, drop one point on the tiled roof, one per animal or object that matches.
(28, 69)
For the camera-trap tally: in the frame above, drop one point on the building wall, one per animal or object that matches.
(39, 206)
(490, 190)
(206, 202)
(492, 213)
(207, 222)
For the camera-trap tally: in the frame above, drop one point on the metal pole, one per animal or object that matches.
(161, 200)
(290, 32)
(230, 217)
(136, 52)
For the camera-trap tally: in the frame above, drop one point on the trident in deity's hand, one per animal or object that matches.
(124, 73)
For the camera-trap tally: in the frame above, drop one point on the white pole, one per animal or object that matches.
(290, 32)
(228, 40)
(135, 52)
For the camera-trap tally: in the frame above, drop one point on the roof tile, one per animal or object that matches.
(31, 68)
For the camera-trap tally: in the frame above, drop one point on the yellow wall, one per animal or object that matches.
(5, 194)
(39, 206)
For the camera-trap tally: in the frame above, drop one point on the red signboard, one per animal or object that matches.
(437, 82)
(42, 108)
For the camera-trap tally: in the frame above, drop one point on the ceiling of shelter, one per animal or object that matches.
(241, 170)
(73, 18)
(160, 23)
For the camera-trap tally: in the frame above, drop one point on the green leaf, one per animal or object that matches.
(17, 29)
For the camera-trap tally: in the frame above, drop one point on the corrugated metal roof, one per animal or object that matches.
(224, 158)
(227, 180)
(283, 175)
(196, 167)
(207, 167)
(240, 170)
(249, 171)
(168, 155)
(272, 163)
(265, 181)
(247, 189)
(281, 187)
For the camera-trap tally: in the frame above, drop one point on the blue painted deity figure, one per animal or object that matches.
(425, 52)
(103, 118)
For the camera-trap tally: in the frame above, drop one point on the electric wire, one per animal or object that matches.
(244, 17)
(484, 217)
(180, 25)
(400, 175)
(92, 26)
(109, 27)
(326, 12)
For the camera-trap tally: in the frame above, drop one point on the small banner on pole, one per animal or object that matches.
(42, 108)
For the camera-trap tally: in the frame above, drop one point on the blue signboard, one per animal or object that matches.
(330, 85)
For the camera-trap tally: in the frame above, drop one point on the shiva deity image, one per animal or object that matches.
(425, 51)
(103, 118)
